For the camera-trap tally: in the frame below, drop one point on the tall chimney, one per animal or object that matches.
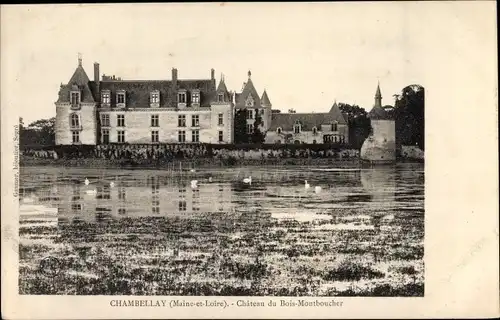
(174, 78)
(97, 77)
(212, 74)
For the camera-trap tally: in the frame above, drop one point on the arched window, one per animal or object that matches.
(314, 142)
(278, 130)
(297, 127)
(297, 142)
(315, 130)
(75, 120)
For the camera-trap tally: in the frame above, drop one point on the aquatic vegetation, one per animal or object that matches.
(258, 244)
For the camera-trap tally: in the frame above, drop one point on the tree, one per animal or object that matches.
(240, 126)
(409, 114)
(40, 132)
(358, 122)
(257, 135)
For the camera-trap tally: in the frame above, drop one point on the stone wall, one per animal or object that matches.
(380, 146)
(138, 129)
(88, 124)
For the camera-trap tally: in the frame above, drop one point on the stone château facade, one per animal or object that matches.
(111, 110)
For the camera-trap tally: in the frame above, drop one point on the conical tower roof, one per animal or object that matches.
(78, 81)
(264, 100)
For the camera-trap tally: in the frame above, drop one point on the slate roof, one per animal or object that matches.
(264, 100)
(378, 113)
(307, 120)
(221, 88)
(137, 91)
(79, 81)
(241, 98)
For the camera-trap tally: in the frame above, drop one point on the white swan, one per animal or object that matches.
(248, 180)
(306, 185)
(194, 184)
(87, 182)
(317, 189)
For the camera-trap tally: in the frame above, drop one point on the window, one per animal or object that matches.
(334, 126)
(278, 130)
(181, 97)
(122, 211)
(154, 120)
(120, 98)
(296, 128)
(249, 102)
(221, 119)
(76, 207)
(120, 120)
(106, 97)
(75, 120)
(121, 193)
(249, 128)
(314, 142)
(221, 136)
(195, 120)
(156, 210)
(121, 136)
(195, 97)
(76, 136)
(182, 136)
(75, 98)
(155, 98)
(105, 136)
(154, 136)
(249, 114)
(105, 120)
(315, 130)
(220, 97)
(182, 205)
(182, 120)
(195, 136)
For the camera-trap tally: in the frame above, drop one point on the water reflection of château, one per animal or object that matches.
(151, 197)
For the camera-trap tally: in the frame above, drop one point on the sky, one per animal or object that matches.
(306, 55)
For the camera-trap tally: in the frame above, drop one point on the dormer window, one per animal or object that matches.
(75, 98)
(315, 131)
(249, 102)
(297, 127)
(279, 130)
(181, 98)
(105, 98)
(195, 98)
(334, 126)
(220, 97)
(154, 99)
(120, 98)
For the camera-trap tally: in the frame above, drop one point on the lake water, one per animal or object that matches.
(151, 233)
